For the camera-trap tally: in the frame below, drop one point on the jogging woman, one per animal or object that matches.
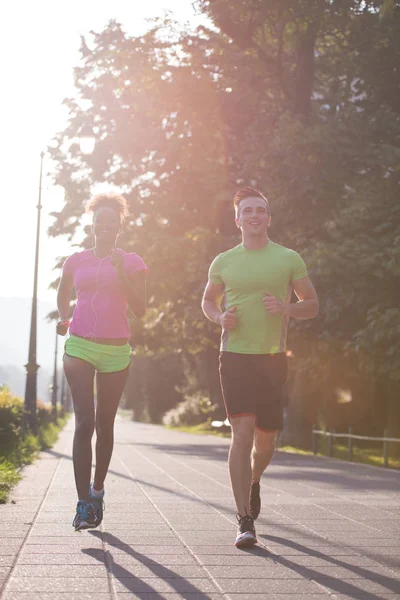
(106, 280)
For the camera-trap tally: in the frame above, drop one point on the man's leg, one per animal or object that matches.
(237, 389)
(109, 391)
(262, 452)
(240, 461)
(271, 371)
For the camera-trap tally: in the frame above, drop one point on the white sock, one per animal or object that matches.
(96, 493)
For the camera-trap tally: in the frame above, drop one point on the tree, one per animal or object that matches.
(285, 96)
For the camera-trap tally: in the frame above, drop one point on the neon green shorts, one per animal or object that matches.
(104, 358)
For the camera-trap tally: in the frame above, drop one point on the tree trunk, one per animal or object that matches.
(304, 72)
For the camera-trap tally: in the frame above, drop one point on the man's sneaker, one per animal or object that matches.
(246, 535)
(255, 500)
(85, 517)
(98, 504)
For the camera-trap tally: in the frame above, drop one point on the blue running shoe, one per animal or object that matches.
(85, 517)
(98, 504)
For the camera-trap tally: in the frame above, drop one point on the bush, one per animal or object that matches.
(17, 450)
(44, 414)
(194, 410)
(11, 411)
(11, 415)
(8, 478)
(151, 388)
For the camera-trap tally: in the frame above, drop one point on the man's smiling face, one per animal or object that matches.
(252, 216)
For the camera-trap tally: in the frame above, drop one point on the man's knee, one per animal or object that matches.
(264, 443)
(243, 441)
(242, 433)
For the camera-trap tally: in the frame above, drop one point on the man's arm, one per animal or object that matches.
(211, 305)
(306, 308)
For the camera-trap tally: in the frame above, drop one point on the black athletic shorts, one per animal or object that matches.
(252, 384)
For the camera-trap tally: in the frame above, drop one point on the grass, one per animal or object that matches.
(125, 413)
(202, 429)
(49, 434)
(12, 459)
(9, 477)
(294, 450)
(366, 456)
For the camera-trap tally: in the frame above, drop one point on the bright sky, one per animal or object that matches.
(39, 46)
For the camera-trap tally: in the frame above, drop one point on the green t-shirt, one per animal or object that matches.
(247, 275)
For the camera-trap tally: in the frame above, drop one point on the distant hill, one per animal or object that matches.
(15, 317)
(15, 378)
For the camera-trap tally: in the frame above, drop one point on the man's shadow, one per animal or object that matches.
(135, 584)
(333, 583)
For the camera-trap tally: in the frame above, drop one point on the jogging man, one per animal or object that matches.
(254, 282)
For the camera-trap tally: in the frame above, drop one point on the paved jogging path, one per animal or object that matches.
(327, 529)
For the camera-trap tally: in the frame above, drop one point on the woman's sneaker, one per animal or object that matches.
(246, 535)
(97, 503)
(85, 517)
(255, 500)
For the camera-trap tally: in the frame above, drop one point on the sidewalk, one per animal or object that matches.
(327, 529)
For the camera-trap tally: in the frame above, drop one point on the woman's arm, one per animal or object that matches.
(135, 291)
(134, 285)
(63, 299)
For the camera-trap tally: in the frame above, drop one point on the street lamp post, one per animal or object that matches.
(30, 418)
(87, 144)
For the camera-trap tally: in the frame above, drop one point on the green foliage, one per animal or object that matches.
(151, 389)
(300, 99)
(203, 428)
(194, 410)
(8, 478)
(11, 415)
(364, 456)
(11, 411)
(17, 450)
(48, 434)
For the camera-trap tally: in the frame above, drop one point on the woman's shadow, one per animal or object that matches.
(135, 584)
(336, 584)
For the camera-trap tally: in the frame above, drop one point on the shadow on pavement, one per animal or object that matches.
(130, 581)
(182, 495)
(313, 469)
(333, 583)
(313, 536)
(218, 452)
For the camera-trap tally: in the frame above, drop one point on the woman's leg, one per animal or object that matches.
(109, 391)
(80, 376)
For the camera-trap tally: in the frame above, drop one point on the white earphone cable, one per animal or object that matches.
(93, 334)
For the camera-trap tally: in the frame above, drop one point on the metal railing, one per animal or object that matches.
(331, 435)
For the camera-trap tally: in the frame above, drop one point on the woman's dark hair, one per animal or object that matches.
(114, 201)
